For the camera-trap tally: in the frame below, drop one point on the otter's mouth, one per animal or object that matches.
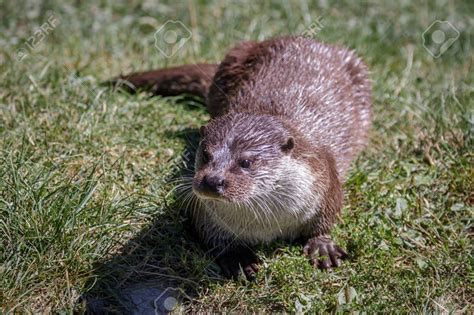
(205, 195)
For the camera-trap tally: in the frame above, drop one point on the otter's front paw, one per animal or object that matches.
(323, 253)
(233, 261)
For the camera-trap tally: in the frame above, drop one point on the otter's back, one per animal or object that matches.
(321, 90)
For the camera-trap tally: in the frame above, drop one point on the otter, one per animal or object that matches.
(288, 115)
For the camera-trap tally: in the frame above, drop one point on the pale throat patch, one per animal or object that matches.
(275, 210)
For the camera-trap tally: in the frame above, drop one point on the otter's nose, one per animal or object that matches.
(213, 183)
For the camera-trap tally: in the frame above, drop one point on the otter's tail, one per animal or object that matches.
(188, 79)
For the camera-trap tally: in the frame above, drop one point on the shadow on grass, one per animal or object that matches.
(162, 264)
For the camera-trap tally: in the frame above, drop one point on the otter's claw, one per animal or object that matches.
(323, 253)
(235, 261)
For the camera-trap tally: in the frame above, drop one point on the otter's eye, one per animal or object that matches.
(245, 163)
(206, 157)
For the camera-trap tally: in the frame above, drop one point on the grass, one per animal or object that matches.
(84, 208)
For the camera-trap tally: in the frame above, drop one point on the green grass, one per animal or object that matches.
(84, 208)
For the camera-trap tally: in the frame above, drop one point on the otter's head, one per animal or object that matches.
(239, 157)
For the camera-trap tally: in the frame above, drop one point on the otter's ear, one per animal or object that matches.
(202, 131)
(288, 146)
